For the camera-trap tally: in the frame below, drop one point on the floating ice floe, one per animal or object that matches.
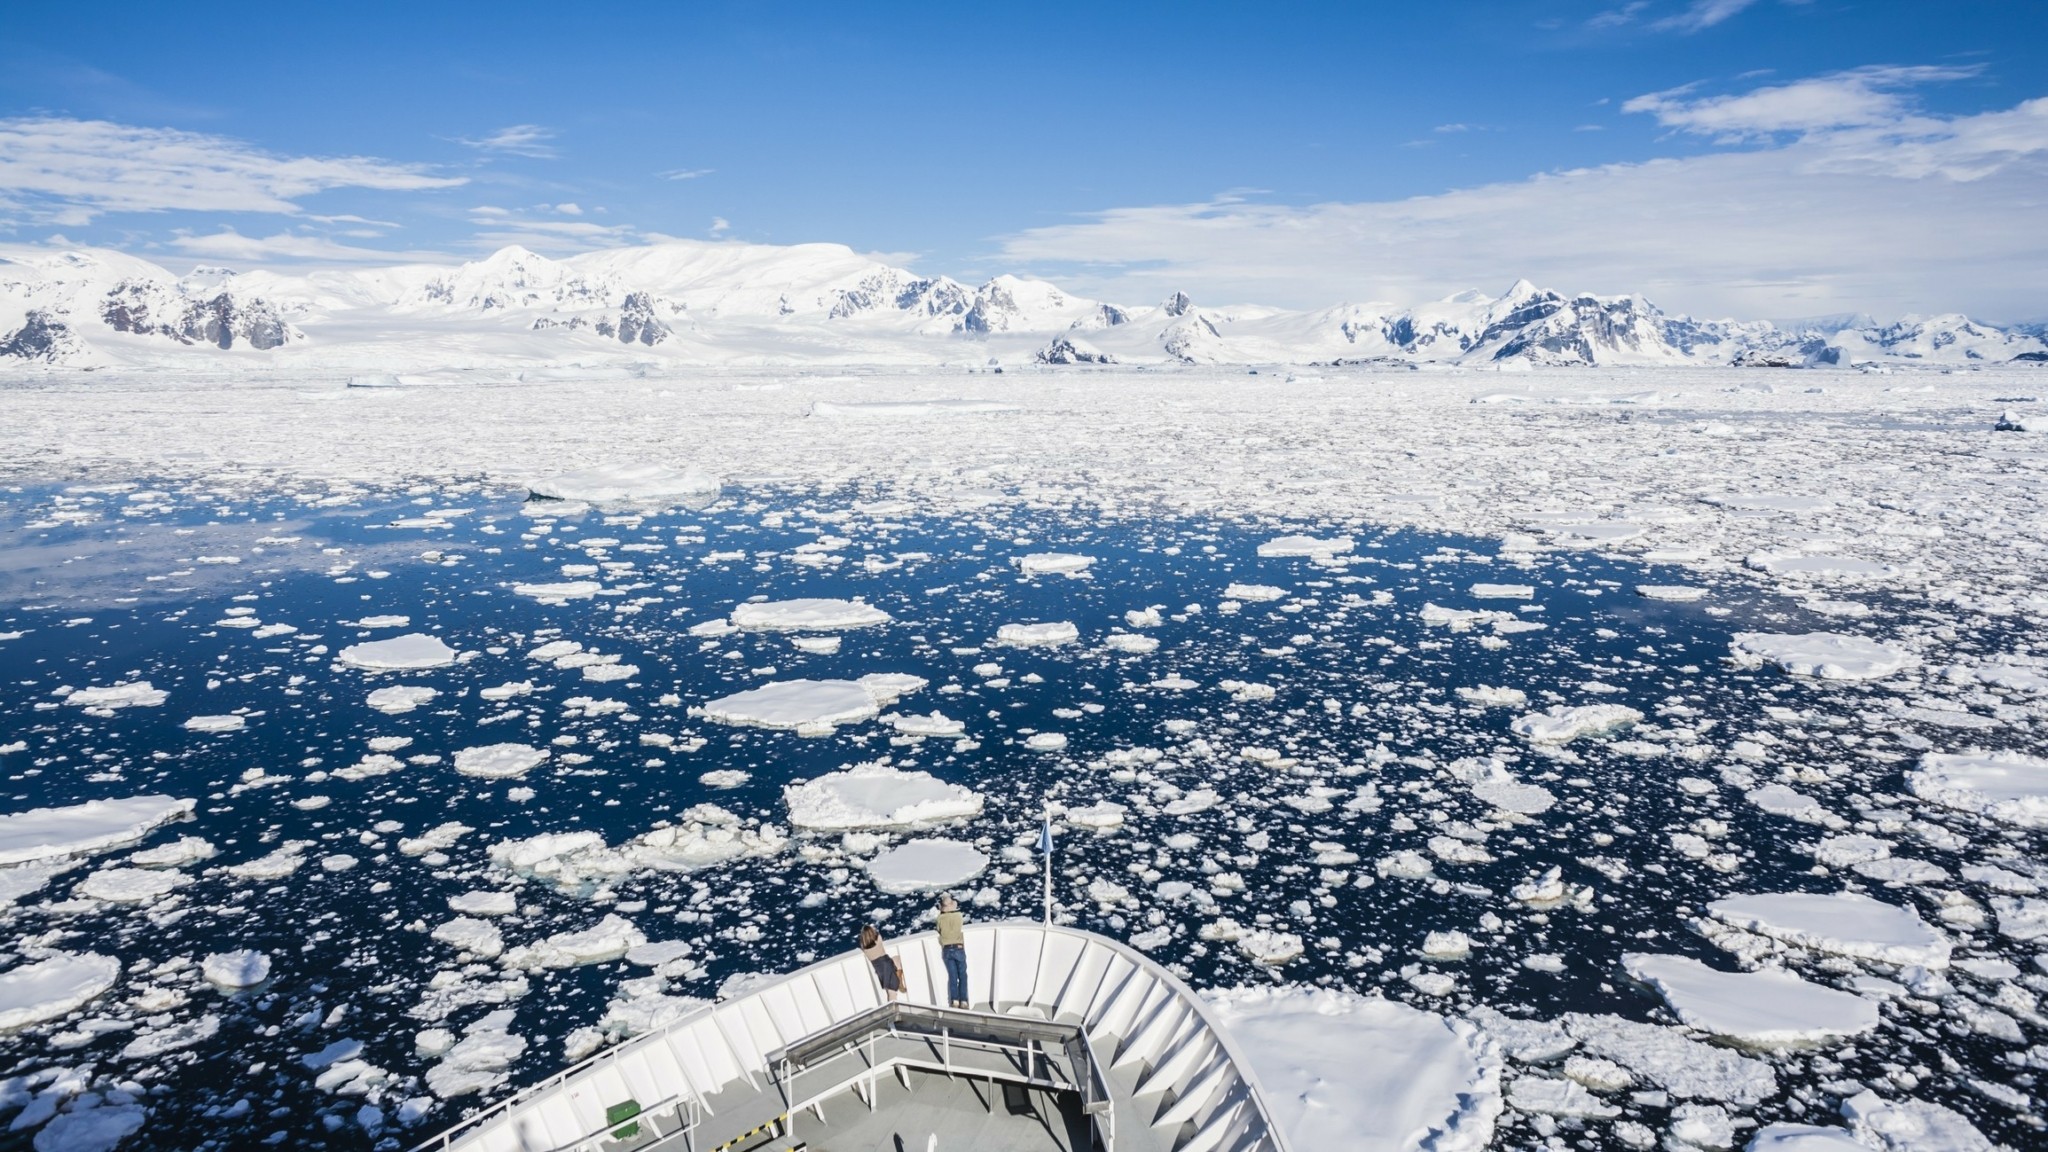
(1676, 593)
(1341, 1070)
(401, 698)
(807, 615)
(480, 938)
(808, 707)
(1782, 1137)
(1911, 1126)
(499, 761)
(1487, 697)
(2010, 787)
(1037, 635)
(414, 650)
(53, 987)
(216, 725)
(877, 796)
(131, 885)
(1824, 565)
(178, 853)
(1052, 563)
(1561, 724)
(580, 861)
(137, 694)
(560, 592)
(1843, 923)
(480, 1061)
(927, 866)
(1492, 783)
(1306, 546)
(1503, 592)
(1684, 1067)
(1827, 655)
(628, 484)
(934, 724)
(1255, 593)
(2021, 918)
(84, 829)
(235, 970)
(1768, 1008)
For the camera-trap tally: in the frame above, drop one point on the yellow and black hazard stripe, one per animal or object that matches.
(751, 1133)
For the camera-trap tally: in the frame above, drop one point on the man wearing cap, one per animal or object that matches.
(953, 949)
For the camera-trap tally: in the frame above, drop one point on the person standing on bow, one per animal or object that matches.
(888, 973)
(953, 949)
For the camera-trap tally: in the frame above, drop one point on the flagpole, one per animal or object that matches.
(1045, 842)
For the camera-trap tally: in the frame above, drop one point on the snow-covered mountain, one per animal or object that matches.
(694, 302)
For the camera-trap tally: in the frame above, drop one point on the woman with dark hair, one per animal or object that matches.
(887, 971)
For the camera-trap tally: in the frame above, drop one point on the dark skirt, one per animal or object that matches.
(885, 971)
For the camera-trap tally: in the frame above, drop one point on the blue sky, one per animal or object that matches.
(1263, 152)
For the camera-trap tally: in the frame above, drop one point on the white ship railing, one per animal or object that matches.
(1141, 1019)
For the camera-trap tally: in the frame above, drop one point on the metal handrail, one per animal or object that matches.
(859, 1035)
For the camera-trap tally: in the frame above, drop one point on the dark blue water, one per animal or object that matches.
(106, 588)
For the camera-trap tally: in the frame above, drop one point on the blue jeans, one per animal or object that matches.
(956, 973)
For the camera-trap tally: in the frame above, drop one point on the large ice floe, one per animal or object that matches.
(630, 484)
(807, 707)
(2009, 787)
(1843, 923)
(410, 652)
(1342, 1070)
(876, 795)
(1766, 1009)
(53, 987)
(1037, 635)
(1561, 724)
(499, 761)
(816, 614)
(927, 865)
(83, 829)
(1056, 563)
(1826, 655)
(108, 698)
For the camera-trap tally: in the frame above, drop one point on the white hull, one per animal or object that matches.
(1177, 1082)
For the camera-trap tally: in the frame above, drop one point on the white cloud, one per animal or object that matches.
(68, 172)
(1913, 214)
(285, 247)
(570, 209)
(530, 140)
(1703, 14)
(1856, 98)
(686, 173)
(720, 225)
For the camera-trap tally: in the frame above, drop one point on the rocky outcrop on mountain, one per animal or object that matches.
(42, 338)
(1069, 350)
(637, 323)
(1548, 329)
(891, 289)
(1177, 304)
(154, 308)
